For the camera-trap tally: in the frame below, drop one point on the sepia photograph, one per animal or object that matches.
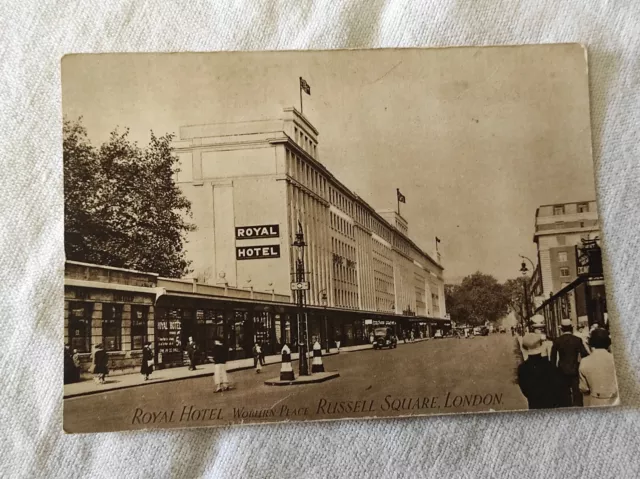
(258, 237)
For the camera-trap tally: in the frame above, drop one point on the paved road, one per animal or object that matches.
(431, 377)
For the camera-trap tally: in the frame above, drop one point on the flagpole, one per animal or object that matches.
(300, 86)
(398, 199)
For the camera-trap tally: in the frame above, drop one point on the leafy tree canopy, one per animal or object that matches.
(478, 299)
(122, 206)
(514, 289)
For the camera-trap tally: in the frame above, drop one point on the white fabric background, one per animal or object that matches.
(36, 33)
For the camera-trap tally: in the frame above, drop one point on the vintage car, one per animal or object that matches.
(384, 338)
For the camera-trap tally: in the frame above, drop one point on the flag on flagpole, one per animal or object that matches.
(305, 86)
(401, 197)
(437, 240)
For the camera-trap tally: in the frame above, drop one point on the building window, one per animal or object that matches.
(558, 210)
(562, 256)
(583, 207)
(564, 272)
(111, 326)
(139, 317)
(80, 326)
(562, 240)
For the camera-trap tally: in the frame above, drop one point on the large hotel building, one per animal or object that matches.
(269, 173)
(251, 185)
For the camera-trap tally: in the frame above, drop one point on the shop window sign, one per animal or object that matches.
(111, 326)
(139, 319)
(80, 326)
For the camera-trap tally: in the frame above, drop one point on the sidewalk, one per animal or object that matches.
(125, 381)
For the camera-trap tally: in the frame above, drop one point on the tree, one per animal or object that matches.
(478, 299)
(122, 206)
(514, 289)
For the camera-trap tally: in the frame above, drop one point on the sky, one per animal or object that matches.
(475, 138)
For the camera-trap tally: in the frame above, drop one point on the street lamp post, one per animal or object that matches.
(299, 278)
(326, 325)
(525, 317)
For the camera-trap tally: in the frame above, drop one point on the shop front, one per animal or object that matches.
(583, 302)
(239, 325)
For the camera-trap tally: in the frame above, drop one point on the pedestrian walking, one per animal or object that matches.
(338, 345)
(146, 368)
(597, 372)
(69, 366)
(413, 337)
(76, 363)
(538, 379)
(371, 338)
(257, 351)
(192, 352)
(100, 364)
(220, 366)
(565, 355)
(261, 356)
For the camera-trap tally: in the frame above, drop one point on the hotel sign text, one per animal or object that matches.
(260, 231)
(257, 252)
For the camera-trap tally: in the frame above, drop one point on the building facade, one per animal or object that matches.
(269, 174)
(559, 230)
(568, 282)
(123, 309)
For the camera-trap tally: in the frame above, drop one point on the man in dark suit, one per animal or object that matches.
(539, 381)
(566, 353)
(191, 351)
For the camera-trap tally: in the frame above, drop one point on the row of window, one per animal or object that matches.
(306, 174)
(345, 299)
(306, 143)
(580, 208)
(343, 249)
(79, 326)
(342, 225)
(340, 201)
(384, 286)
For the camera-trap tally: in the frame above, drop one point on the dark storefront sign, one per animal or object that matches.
(589, 259)
(168, 339)
(259, 231)
(257, 252)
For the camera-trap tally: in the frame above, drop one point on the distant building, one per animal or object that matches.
(559, 229)
(568, 282)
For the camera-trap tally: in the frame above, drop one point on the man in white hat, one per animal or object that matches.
(538, 326)
(566, 353)
(538, 379)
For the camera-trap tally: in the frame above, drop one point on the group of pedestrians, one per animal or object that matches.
(573, 370)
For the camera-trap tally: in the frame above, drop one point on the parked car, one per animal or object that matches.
(384, 338)
(438, 334)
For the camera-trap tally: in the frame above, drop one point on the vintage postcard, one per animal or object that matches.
(317, 235)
